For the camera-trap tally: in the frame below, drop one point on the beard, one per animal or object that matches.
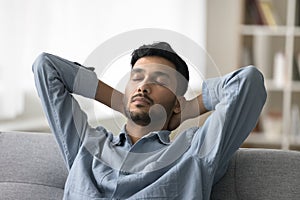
(141, 118)
(156, 116)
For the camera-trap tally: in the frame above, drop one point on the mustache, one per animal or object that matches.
(143, 96)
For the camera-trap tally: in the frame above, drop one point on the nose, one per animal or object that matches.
(144, 88)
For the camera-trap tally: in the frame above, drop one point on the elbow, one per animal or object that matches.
(40, 61)
(255, 81)
(38, 65)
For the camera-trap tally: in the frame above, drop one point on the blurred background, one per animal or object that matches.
(233, 33)
(72, 30)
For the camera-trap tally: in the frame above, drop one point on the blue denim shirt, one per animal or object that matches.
(104, 166)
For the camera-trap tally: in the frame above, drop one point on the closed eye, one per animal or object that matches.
(136, 76)
(162, 81)
(162, 78)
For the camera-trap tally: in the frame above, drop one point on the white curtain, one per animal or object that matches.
(73, 29)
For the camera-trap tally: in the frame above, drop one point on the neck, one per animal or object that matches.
(136, 131)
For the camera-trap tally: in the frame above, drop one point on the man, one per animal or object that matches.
(141, 162)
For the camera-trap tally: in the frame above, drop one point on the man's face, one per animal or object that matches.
(152, 82)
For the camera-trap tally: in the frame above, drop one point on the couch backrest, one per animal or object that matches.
(261, 174)
(31, 167)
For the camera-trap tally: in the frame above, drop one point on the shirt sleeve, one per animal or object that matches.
(237, 100)
(56, 79)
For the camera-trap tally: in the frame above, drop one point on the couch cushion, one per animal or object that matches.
(261, 174)
(225, 188)
(18, 191)
(30, 165)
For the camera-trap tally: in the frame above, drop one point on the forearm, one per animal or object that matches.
(214, 91)
(109, 96)
(65, 74)
(193, 108)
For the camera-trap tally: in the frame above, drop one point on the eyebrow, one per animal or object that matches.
(137, 70)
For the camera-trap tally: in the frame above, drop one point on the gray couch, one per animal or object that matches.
(31, 167)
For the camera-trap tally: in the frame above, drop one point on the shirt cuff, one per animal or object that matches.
(85, 83)
(209, 96)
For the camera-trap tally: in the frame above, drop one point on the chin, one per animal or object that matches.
(139, 117)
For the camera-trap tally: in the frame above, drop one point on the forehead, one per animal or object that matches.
(155, 63)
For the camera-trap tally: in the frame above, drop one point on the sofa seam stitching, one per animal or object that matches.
(29, 183)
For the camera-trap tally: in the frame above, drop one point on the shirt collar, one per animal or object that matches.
(163, 136)
(122, 138)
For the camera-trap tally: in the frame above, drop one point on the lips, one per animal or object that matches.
(141, 99)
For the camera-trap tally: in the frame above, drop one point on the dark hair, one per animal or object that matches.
(164, 50)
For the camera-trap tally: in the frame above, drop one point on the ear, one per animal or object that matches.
(179, 104)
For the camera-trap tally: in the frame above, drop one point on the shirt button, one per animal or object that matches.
(124, 173)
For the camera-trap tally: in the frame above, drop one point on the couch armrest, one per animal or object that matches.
(31, 166)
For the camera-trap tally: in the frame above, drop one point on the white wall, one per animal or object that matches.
(73, 29)
(223, 36)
